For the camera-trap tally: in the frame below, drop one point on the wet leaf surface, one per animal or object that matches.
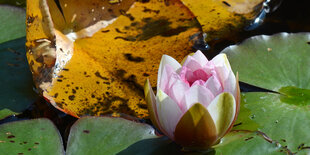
(104, 135)
(93, 58)
(224, 19)
(236, 142)
(285, 123)
(273, 62)
(16, 90)
(5, 113)
(245, 142)
(278, 63)
(12, 21)
(38, 136)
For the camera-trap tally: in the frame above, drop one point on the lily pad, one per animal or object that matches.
(93, 57)
(12, 21)
(235, 142)
(16, 90)
(104, 135)
(278, 63)
(273, 62)
(245, 142)
(38, 136)
(5, 113)
(224, 19)
(285, 123)
(19, 3)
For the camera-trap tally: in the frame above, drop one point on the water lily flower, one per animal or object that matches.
(196, 103)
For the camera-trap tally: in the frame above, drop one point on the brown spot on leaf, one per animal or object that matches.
(226, 3)
(105, 31)
(71, 97)
(248, 138)
(123, 12)
(86, 131)
(129, 57)
(101, 77)
(11, 136)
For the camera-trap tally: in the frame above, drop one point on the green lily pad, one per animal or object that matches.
(5, 113)
(19, 3)
(246, 142)
(38, 136)
(236, 142)
(16, 91)
(12, 21)
(104, 135)
(288, 124)
(280, 63)
(273, 62)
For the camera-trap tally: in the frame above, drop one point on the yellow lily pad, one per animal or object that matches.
(93, 57)
(223, 19)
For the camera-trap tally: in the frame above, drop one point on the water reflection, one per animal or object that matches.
(268, 7)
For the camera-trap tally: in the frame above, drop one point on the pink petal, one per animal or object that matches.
(177, 92)
(214, 85)
(201, 74)
(230, 84)
(199, 82)
(221, 60)
(188, 76)
(198, 94)
(169, 113)
(166, 60)
(165, 79)
(192, 63)
(225, 74)
(200, 58)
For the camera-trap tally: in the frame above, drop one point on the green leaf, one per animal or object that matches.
(273, 62)
(38, 136)
(104, 135)
(245, 142)
(235, 142)
(5, 113)
(12, 21)
(279, 63)
(287, 124)
(16, 90)
(19, 3)
(294, 95)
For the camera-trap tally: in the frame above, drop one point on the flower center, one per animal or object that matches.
(199, 76)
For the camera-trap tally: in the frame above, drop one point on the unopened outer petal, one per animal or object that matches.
(196, 128)
(151, 104)
(222, 110)
(169, 113)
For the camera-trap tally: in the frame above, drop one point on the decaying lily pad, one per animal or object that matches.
(92, 57)
(224, 19)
